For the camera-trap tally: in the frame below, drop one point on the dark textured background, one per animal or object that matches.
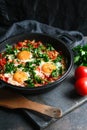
(64, 14)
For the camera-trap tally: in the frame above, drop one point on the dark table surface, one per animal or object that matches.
(75, 120)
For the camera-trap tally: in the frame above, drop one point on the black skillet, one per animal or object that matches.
(57, 43)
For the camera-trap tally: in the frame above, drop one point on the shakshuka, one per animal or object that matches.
(30, 63)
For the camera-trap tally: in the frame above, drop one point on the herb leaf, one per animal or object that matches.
(57, 72)
(9, 67)
(49, 47)
(80, 55)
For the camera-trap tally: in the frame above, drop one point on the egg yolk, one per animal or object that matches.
(48, 68)
(20, 76)
(24, 55)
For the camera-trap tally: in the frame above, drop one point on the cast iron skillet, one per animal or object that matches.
(56, 43)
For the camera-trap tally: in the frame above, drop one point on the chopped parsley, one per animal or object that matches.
(11, 50)
(80, 55)
(30, 82)
(9, 67)
(58, 59)
(29, 66)
(44, 57)
(57, 72)
(37, 61)
(50, 47)
(34, 80)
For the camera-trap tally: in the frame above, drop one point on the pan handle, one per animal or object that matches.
(72, 38)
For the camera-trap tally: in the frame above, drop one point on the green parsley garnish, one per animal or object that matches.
(58, 59)
(80, 55)
(29, 82)
(10, 50)
(49, 47)
(9, 67)
(57, 72)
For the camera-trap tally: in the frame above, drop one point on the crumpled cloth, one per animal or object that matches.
(31, 26)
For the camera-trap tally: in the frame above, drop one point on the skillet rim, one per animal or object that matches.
(47, 85)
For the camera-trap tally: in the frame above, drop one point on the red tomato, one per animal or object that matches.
(81, 86)
(2, 62)
(80, 72)
(20, 44)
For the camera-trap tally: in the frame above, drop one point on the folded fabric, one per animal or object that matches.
(29, 26)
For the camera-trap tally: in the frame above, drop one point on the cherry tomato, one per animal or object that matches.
(81, 86)
(80, 72)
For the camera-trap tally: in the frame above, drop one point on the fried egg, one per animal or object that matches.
(47, 68)
(17, 78)
(20, 76)
(24, 55)
(11, 80)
